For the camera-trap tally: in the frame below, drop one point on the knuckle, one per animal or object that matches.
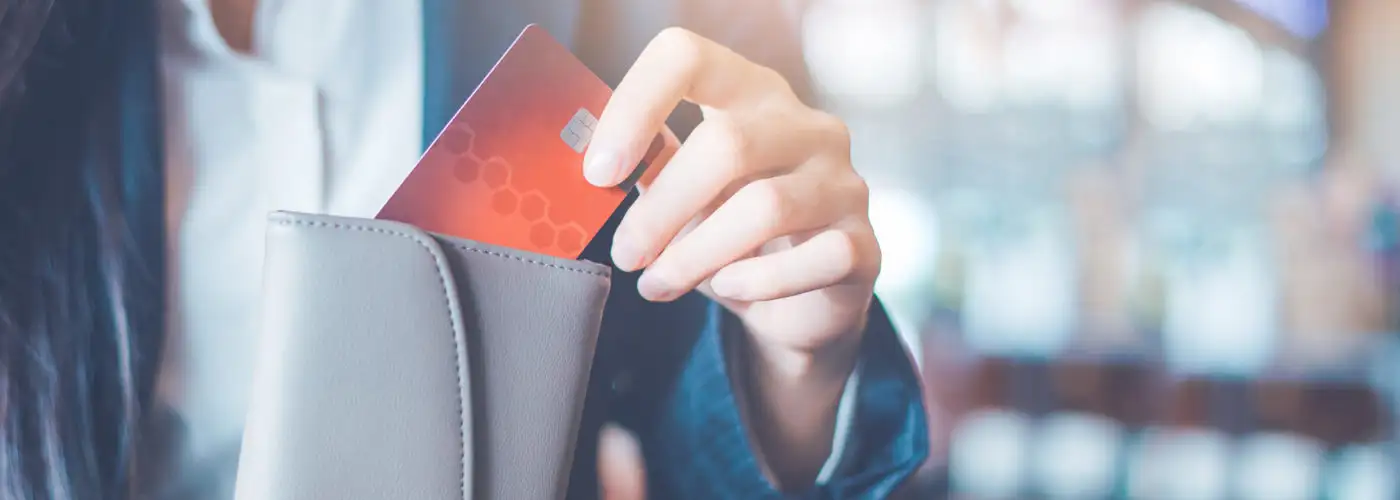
(760, 279)
(731, 145)
(836, 133)
(866, 247)
(847, 191)
(641, 227)
(845, 253)
(665, 276)
(768, 205)
(756, 279)
(859, 193)
(648, 231)
(876, 256)
(680, 45)
(775, 81)
(674, 35)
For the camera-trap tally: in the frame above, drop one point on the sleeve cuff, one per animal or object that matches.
(698, 445)
(845, 415)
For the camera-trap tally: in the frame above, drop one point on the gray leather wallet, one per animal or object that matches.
(395, 363)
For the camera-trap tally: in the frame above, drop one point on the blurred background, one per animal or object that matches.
(1142, 248)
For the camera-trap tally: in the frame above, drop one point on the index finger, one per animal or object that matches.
(676, 65)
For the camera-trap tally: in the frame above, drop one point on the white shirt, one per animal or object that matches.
(324, 116)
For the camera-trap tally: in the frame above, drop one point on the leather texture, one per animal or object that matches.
(396, 363)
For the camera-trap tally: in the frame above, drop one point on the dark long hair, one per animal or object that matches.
(80, 248)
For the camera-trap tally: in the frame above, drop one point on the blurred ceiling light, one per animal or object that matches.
(1195, 67)
(864, 51)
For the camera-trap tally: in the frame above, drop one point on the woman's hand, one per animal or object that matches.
(762, 211)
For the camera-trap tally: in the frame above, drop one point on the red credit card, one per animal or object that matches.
(508, 168)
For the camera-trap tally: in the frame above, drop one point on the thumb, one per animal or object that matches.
(621, 471)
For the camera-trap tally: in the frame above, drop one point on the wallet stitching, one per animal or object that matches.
(452, 318)
(531, 261)
(600, 274)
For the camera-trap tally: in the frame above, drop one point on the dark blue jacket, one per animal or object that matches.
(659, 368)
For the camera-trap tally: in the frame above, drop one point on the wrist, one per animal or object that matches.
(790, 399)
(821, 371)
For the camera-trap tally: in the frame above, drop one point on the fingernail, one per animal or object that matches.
(653, 288)
(727, 286)
(602, 168)
(625, 254)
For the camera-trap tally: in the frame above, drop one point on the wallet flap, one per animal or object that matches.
(399, 364)
(532, 327)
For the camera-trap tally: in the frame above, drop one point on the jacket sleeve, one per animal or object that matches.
(697, 446)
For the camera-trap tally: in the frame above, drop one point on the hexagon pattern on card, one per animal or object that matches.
(547, 227)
